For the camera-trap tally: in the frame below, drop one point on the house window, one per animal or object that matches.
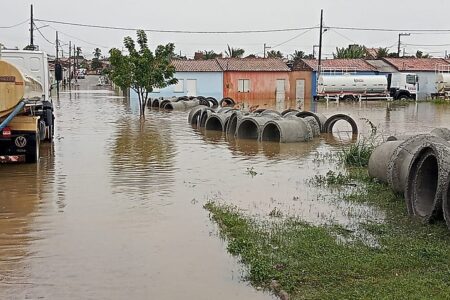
(179, 87)
(243, 85)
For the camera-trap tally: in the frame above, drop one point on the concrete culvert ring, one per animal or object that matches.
(248, 130)
(421, 193)
(194, 115)
(155, 103)
(227, 102)
(214, 123)
(321, 119)
(206, 112)
(259, 111)
(271, 133)
(329, 124)
(446, 201)
(289, 110)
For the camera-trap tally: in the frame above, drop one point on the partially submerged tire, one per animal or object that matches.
(32, 148)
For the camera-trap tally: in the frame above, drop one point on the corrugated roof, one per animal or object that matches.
(382, 66)
(210, 65)
(416, 64)
(253, 64)
(340, 64)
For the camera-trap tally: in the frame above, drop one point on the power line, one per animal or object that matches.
(425, 45)
(293, 38)
(176, 31)
(391, 30)
(44, 36)
(16, 25)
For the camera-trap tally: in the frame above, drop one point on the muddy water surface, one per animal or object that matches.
(114, 208)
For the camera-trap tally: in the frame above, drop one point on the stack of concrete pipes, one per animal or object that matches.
(185, 103)
(290, 126)
(418, 167)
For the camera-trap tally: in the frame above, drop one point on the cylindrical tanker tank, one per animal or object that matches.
(15, 86)
(443, 82)
(353, 84)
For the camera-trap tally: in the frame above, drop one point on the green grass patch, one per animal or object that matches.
(440, 102)
(308, 262)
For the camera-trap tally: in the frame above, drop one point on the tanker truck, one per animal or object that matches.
(443, 85)
(26, 110)
(352, 87)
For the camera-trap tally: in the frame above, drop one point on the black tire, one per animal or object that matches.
(348, 98)
(49, 120)
(33, 149)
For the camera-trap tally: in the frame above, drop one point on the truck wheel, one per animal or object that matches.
(403, 98)
(49, 122)
(33, 149)
(348, 98)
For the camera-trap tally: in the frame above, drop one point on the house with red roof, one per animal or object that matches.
(426, 69)
(263, 82)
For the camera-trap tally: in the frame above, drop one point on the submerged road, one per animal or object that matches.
(114, 208)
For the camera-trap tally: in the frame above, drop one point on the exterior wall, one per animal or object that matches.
(301, 75)
(209, 84)
(262, 86)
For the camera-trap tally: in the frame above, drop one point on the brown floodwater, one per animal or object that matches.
(114, 208)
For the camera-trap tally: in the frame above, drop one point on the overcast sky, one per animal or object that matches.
(228, 15)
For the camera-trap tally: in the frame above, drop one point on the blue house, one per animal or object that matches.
(195, 78)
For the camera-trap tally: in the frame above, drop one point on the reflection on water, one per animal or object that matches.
(114, 209)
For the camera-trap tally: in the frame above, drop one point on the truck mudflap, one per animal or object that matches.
(19, 147)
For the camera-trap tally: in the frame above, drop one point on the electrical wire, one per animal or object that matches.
(175, 31)
(293, 38)
(425, 45)
(77, 38)
(43, 36)
(16, 25)
(391, 30)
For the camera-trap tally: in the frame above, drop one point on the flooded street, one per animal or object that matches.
(114, 209)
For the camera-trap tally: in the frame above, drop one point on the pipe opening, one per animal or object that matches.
(214, 123)
(203, 118)
(426, 183)
(271, 133)
(195, 117)
(168, 106)
(232, 124)
(155, 104)
(248, 130)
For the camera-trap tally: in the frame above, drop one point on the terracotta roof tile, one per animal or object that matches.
(341, 64)
(209, 65)
(253, 64)
(416, 64)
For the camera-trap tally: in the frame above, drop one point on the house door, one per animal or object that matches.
(300, 92)
(191, 87)
(281, 92)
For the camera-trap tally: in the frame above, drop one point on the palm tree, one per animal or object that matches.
(419, 54)
(352, 51)
(382, 52)
(97, 53)
(211, 54)
(275, 54)
(234, 52)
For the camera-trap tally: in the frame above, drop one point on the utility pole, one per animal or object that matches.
(31, 28)
(319, 65)
(265, 49)
(75, 67)
(57, 64)
(70, 65)
(400, 41)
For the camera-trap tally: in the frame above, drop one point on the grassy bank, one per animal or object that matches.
(412, 260)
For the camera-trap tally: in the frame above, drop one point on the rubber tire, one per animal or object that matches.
(33, 157)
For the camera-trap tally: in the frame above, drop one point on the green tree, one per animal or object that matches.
(274, 54)
(211, 54)
(352, 51)
(142, 70)
(297, 55)
(96, 64)
(382, 52)
(234, 52)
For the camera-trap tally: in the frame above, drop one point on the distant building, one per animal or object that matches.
(426, 70)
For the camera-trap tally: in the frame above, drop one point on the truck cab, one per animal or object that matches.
(403, 86)
(26, 109)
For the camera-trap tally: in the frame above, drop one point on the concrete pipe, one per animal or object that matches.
(426, 181)
(164, 102)
(194, 114)
(315, 126)
(287, 130)
(270, 113)
(227, 102)
(233, 123)
(398, 138)
(399, 163)
(321, 119)
(206, 112)
(217, 121)
(181, 105)
(191, 104)
(446, 201)
(289, 110)
(379, 160)
(329, 124)
(443, 133)
(155, 103)
(250, 127)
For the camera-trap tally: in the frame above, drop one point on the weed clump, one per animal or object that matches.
(358, 154)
